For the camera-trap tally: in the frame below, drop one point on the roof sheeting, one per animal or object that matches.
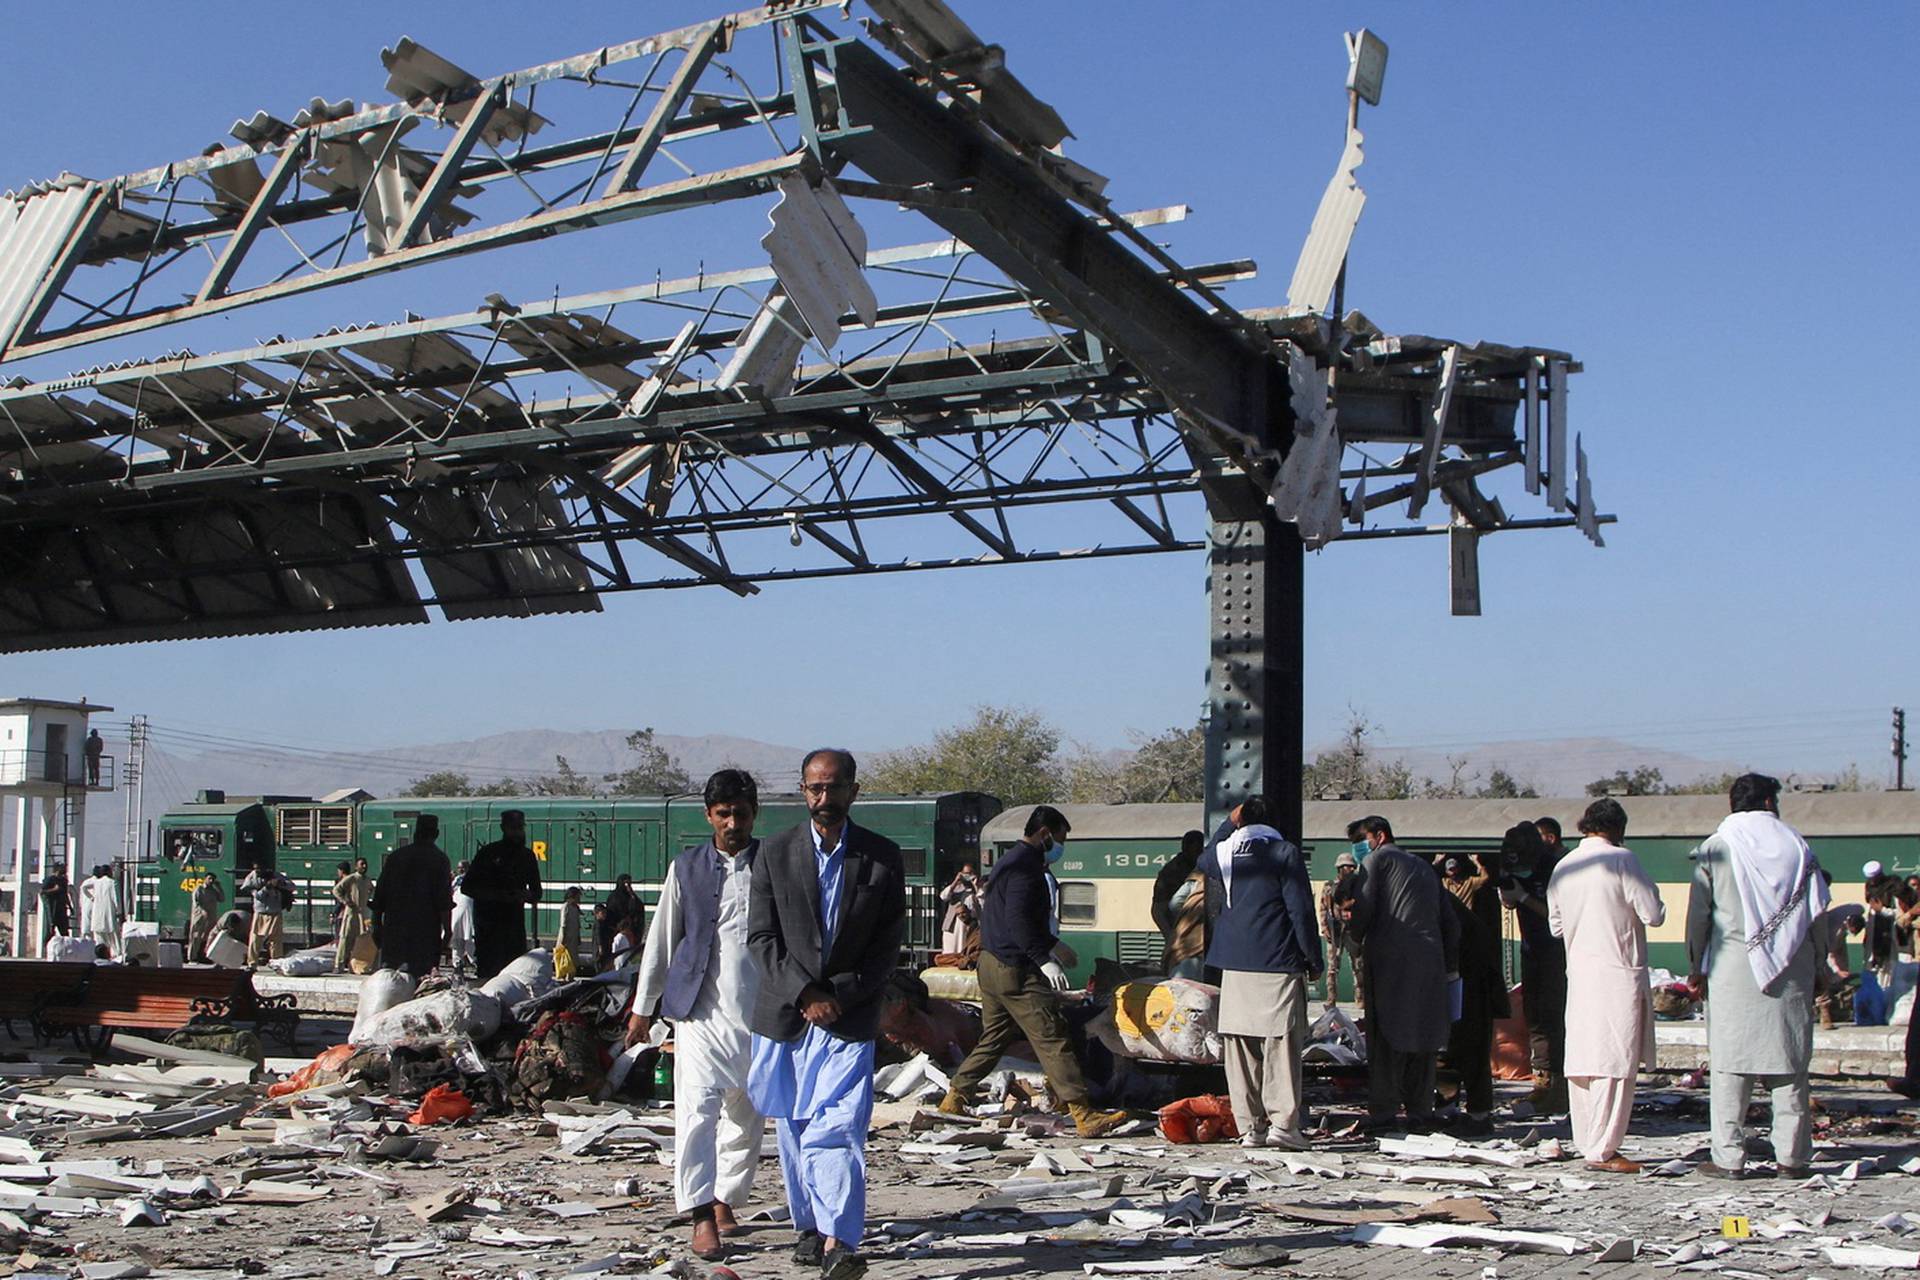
(34, 232)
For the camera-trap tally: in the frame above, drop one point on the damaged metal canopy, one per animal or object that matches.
(1041, 381)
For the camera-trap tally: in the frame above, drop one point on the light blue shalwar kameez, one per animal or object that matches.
(818, 1091)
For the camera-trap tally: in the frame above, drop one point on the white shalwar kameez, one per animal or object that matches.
(716, 1131)
(100, 913)
(1602, 901)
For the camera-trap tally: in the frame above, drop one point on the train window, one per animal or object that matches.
(1079, 903)
(335, 824)
(331, 826)
(297, 826)
(914, 863)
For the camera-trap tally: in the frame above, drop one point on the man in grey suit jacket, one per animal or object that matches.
(827, 911)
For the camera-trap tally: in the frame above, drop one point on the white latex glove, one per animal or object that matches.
(1055, 974)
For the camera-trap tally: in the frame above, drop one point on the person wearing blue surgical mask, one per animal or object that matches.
(1357, 842)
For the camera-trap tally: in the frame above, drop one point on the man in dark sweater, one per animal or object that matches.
(504, 878)
(1020, 980)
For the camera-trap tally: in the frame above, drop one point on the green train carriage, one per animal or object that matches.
(1114, 852)
(583, 841)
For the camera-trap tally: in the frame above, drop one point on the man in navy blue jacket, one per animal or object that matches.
(1266, 945)
(1020, 979)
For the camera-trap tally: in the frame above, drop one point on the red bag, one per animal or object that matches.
(443, 1105)
(1207, 1118)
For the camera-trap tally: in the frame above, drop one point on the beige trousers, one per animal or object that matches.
(1600, 1108)
(264, 938)
(1264, 1077)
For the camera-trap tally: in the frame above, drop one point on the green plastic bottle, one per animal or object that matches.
(663, 1076)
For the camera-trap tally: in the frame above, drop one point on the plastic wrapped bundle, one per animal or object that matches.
(952, 984)
(528, 978)
(431, 1021)
(1172, 1021)
(311, 963)
(380, 992)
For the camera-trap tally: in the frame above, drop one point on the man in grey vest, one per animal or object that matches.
(696, 971)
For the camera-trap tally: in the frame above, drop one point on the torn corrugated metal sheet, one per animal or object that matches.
(818, 251)
(419, 75)
(764, 357)
(1325, 251)
(34, 234)
(1583, 495)
(1306, 490)
(1436, 432)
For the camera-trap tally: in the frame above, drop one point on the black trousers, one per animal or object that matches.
(499, 936)
(1470, 1055)
(1543, 981)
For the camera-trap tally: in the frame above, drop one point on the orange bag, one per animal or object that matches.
(443, 1105)
(1207, 1118)
(324, 1069)
(1512, 1051)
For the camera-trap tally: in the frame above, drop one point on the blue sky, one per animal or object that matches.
(1709, 205)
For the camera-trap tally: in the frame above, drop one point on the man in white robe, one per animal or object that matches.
(1756, 935)
(100, 913)
(696, 970)
(1601, 901)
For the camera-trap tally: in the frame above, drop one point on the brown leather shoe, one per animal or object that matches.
(1614, 1164)
(707, 1245)
(1708, 1169)
(724, 1220)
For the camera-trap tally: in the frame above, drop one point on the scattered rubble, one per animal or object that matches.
(422, 1145)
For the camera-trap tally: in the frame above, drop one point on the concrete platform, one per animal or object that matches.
(1855, 1052)
(334, 993)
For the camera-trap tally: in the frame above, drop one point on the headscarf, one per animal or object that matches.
(1781, 889)
(1236, 844)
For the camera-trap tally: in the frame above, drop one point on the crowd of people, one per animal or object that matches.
(770, 959)
(1767, 949)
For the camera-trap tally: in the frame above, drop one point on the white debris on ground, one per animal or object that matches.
(176, 1162)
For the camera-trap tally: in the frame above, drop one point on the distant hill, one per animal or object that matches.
(1555, 767)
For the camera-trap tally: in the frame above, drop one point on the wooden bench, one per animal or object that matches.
(91, 1001)
(24, 983)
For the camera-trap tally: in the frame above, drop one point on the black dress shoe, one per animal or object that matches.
(807, 1250)
(842, 1263)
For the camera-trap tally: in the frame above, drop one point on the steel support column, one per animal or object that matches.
(1255, 710)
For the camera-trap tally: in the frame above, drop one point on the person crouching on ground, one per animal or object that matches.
(1602, 902)
(1267, 948)
(697, 972)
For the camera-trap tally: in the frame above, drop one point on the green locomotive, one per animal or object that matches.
(578, 840)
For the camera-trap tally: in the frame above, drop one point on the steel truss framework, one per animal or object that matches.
(844, 410)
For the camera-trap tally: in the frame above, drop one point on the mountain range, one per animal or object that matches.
(1554, 767)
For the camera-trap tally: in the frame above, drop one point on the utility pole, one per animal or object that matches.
(132, 777)
(1899, 748)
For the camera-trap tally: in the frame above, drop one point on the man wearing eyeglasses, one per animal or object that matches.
(825, 917)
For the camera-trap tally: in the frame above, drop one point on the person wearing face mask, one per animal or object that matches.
(1020, 978)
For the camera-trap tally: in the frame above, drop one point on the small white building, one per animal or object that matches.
(50, 761)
